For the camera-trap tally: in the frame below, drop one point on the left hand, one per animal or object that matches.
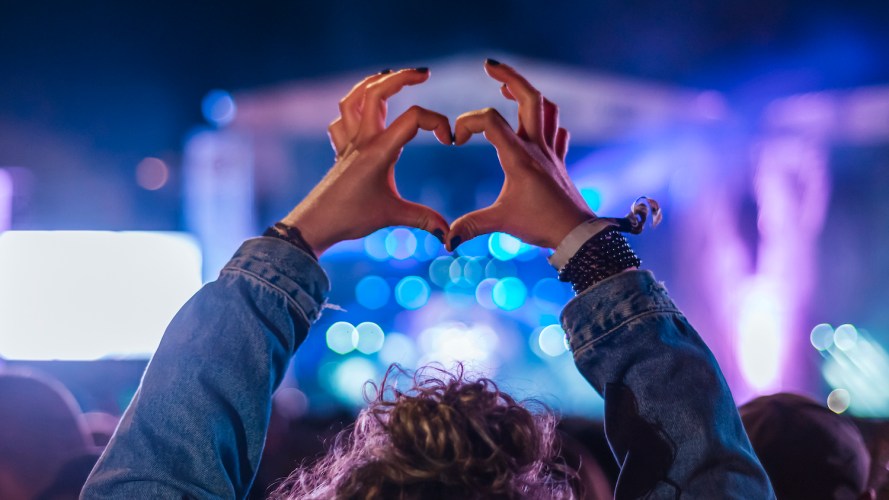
(358, 195)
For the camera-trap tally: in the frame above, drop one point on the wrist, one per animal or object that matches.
(313, 232)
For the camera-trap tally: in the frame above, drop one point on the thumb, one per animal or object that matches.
(422, 217)
(483, 221)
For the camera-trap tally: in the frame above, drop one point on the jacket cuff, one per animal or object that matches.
(607, 305)
(285, 267)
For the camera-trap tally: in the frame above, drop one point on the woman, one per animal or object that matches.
(197, 424)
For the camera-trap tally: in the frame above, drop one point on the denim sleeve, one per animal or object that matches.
(669, 416)
(196, 427)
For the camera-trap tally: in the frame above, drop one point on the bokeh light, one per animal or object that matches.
(551, 294)
(503, 246)
(510, 294)
(822, 336)
(551, 341)
(372, 292)
(342, 337)
(399, 348)
(428, 246)
(370, 337)
(839, 400)
(440, 270)
(452, 342)
(375, 245)
(401, 243)
(476, 247)
(349, 377)
(412, 292)
(499, 269)
(219, 107)
(484, 293)
(466, 271)
(152, 173)
(845, 337)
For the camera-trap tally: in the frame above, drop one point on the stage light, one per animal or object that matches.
(509, 294)
(370, 337)
(219, 107)
(342, 337)
(822, 336)
(375, 245)
(401, 243)
(453, 342)
(440, 269)
(760, 345)
(372, 292)
(551, 341)
(83, 295)
(412, 292)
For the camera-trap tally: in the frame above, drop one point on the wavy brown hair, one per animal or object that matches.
(447, 436)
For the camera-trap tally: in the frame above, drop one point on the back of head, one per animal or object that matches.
(40, 430)
(808, 451)
(446, 436)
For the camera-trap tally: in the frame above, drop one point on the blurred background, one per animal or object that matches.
(140, 143)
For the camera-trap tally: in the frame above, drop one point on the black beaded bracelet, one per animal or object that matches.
(603, 255)
(291, 235)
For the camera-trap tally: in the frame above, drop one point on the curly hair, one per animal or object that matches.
(447, 436)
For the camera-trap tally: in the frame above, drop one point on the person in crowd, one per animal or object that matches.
(808, 451)
(41, 431)
(196, 426)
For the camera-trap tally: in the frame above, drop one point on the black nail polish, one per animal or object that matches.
(385, 71)
(424, 69)
(493, 62)
(438, 233)
(455, 242)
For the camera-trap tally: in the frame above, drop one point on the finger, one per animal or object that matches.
(561, 147)
(338, 135)
(350, 105)
(422, 217)
(373, 113)
(489, 122)
(550, 121)
(506, 93)
(529, 98)
(405, 127)
(483, 221)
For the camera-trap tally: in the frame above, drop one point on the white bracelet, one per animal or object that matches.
(575, 239)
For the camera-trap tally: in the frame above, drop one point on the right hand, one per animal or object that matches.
(538, 202)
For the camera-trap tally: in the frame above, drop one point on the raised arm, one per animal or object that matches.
(669, 416)
(197, 424)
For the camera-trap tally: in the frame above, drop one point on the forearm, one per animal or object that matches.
(197, 424)
(669, 415)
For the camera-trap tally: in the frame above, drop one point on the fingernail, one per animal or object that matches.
(385, 71)
(455, 242)
(492, 62)
(424, 69)
(438, 233)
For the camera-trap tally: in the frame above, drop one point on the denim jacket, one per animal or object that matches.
(197, 425)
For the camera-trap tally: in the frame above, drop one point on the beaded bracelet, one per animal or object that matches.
(291, 235)
(605, 254)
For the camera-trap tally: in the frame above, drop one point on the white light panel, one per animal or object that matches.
(83, 295)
